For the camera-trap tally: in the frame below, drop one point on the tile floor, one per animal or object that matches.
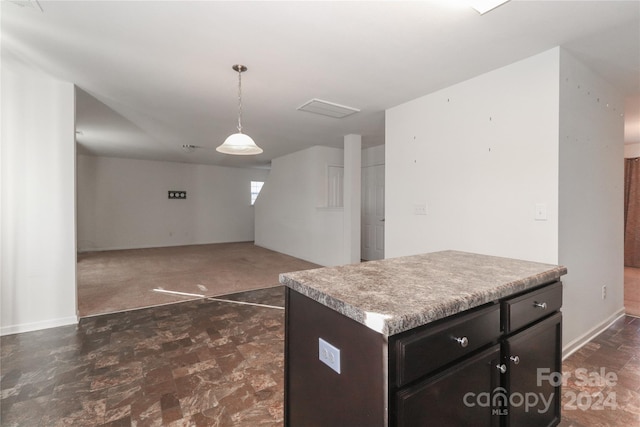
(198, 363)
(214, 363)
(590, 402)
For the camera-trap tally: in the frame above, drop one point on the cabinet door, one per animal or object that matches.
(459, 396)
(531, 356)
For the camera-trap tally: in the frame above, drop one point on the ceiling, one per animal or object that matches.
(155, 75)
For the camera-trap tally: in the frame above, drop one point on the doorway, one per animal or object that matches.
(372, 223)
(632, 236)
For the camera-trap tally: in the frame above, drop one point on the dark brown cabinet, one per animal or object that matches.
(523, 310)
(509, 384)
(531, 352)
(488, 366)
(455, 397)
(531, 356)
(421, 351)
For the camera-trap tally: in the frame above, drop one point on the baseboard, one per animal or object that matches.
(36, 326)
(126, 248)
(576, 344)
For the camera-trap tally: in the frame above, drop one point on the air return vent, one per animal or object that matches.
(326, 108)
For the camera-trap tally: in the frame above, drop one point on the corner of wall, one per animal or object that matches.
(38, 283)
(591, 198)
(288, 218)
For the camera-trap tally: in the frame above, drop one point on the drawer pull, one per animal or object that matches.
(542, 305)
(464, 341)
(502, 368)
(515, 359)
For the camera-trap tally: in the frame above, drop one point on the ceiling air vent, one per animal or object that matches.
(326, 108)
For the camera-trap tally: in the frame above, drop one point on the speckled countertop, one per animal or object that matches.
(394, 295)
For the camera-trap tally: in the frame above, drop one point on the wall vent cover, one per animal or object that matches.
(326, 108)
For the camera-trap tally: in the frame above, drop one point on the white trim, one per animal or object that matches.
(576, 344)
(126, 248)
(36, 326)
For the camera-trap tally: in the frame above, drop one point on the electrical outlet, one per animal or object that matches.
(177, 194)
(541, 212)
(604, 292)
(329, 355)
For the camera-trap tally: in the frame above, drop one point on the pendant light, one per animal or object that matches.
(239, 143)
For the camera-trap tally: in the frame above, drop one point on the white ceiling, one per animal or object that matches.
(157, 74)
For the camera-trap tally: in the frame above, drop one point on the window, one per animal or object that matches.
(256, 186)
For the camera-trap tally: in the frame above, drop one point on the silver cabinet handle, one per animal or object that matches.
(502, 368)
(464, 341)
(515, 359)
(542, 305)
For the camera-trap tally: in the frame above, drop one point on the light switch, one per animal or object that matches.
(420, 209)
(541, 212)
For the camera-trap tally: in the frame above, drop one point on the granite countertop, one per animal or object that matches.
(394, 295)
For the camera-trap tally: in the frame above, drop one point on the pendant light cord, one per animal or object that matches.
(239, 143)
(240, 100)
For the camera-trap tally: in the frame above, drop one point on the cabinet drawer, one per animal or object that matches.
(432, 347)
(530, 307)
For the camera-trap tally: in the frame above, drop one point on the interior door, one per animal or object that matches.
(372, 229)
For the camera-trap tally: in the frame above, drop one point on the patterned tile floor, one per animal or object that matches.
(200, 363)
(606, 392)
(214, 363)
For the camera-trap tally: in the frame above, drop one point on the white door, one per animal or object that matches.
(372, 246)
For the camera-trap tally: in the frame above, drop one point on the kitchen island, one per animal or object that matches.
(423, 340)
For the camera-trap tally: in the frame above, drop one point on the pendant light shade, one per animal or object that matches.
(239, 144)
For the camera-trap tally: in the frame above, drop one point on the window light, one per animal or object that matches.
(256, 186)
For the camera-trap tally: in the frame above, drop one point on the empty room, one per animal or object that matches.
(320, 213)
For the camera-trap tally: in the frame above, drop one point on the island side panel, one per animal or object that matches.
(315, 395)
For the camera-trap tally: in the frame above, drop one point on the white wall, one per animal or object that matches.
(122, 203)
(291, 216)
(591, 199)
(481, 154)
(373, 156)
(352, 199)
(551, 142)
(38, 288)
